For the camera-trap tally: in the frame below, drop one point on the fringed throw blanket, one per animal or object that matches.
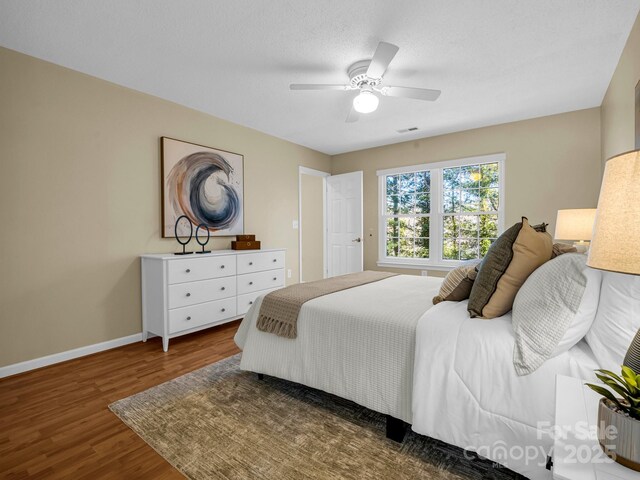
(279, 310)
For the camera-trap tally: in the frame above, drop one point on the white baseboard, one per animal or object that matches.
(68, 355)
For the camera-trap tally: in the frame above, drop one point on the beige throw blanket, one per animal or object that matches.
(279, 310)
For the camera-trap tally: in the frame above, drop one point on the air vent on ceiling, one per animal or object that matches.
(407, 130)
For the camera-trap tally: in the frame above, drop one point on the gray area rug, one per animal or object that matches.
(222, 423)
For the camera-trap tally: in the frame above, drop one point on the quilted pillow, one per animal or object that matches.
(554, 310)
(508, 263)
(456, 286)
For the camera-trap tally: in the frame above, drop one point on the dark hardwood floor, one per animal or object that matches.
(54, 422)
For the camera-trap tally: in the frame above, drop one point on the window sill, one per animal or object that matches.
(416, 266)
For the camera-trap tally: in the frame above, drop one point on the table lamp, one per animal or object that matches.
(576, 224)
(617, 228)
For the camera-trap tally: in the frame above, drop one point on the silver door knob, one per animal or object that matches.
(357, 240)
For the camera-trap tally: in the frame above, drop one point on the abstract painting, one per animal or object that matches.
(203, 183)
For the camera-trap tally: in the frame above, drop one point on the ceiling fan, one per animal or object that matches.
(366, 76)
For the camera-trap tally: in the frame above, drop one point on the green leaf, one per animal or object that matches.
(611, 374)
(629, 376)
(605, 393)
(612, 378)
(620, 390)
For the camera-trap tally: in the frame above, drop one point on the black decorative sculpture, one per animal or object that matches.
(202, 225)
(175, 231)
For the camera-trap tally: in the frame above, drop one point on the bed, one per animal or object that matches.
(386, 347)
(356, 343)
(463, 366)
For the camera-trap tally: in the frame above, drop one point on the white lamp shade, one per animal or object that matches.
(614, 246)
(575, 224)
(366, 102)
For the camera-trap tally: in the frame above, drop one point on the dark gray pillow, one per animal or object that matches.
(492, 267)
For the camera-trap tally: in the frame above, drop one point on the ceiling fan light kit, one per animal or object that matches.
(366, 102)
(366, 76)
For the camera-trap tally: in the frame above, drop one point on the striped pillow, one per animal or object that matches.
(457, 284)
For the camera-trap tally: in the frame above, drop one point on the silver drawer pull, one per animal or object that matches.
(250, 283)
(251, 302)
(250, 263)
(188, 270)
(222, 288)
(223, 309)
(221, 266)
(188, 318)
(275, 278)
(188, 294)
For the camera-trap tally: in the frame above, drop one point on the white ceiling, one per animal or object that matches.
(495, 61)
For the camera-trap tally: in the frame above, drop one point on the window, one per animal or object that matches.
(408, 208)
(442, 213)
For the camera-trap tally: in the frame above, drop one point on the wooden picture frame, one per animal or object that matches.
(204, 183)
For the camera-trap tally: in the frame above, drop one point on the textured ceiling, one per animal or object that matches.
(495, 61)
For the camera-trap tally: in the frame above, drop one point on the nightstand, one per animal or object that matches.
(576, 452)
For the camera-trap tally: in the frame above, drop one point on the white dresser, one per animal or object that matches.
(185, 293)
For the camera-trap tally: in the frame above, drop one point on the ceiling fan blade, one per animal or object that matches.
(381, 59)
(317, 86)
(409, 92)
(353, 116)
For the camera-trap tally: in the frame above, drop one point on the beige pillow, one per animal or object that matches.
(530, 250)
(456, 286)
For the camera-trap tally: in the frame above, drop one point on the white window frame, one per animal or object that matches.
(435, 261)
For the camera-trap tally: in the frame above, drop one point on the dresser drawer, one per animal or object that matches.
(201, 314)
(190, 293)
(252, 282)
(203, 268)
(245, 301)
(260, 261)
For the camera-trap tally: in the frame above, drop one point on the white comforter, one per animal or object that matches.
(357, 343)
(466, 391)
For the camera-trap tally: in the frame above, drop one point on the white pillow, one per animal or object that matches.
(586, 314)
(617, 319)
(553, 310)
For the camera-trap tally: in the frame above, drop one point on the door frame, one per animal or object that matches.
(315, 173)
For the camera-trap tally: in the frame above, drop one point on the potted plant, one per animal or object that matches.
(619, 417)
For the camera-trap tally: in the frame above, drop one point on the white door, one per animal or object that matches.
(344, 223)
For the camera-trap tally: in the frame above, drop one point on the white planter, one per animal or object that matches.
(622, 442)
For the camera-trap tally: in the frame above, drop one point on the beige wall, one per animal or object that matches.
(312, 223)
(618, 116)
(552, 162)
(80, 200)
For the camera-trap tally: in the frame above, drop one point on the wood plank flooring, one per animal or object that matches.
(54, 422)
